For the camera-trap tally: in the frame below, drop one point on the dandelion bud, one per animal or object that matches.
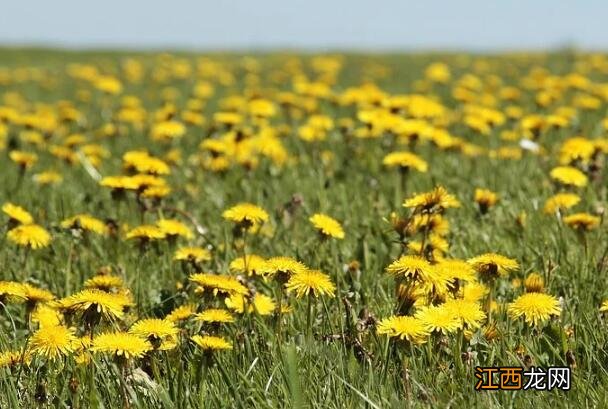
(534, 283)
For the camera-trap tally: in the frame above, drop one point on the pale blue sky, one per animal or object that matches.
(313, 24)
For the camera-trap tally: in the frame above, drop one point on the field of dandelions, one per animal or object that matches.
(332, 231)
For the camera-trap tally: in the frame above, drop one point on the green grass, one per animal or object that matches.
(297, 371)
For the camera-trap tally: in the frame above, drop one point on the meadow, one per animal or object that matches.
(291, 230)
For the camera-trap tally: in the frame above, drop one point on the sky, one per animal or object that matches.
(382, 25)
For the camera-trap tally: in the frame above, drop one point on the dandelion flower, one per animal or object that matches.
(283, 267)
(181, 313)
(10, 359)
(17, 214)
(161, 333)
(30, 235)
(246, 214)
(561, 202)
(414, 267)
(435, 201)
(214, 315)
(35, 295)
(11, 291)
(492, 265)
(439, 318)
(485, 199)
(121, 344)
(104, 282)
(143, 162)
(85, 222)
(145, 233)
(46, 316)
(327, 226)
(582, 221)
(107, 305)
(405, 160)
(534, 307)
(174, 228)
(52, 342)
(404, 327)
(23, 159)
(310, 282)
(219, 284)
(457, 269)
(569, 176)
(604, 306)
(48, 177)
(193, 254)
(261, 304)
(470, 313)
(211, 343)
(475, 291)
(250, 264)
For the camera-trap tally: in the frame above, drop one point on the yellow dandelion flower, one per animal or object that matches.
(246, 213)
(219, 284)
(181, 313)
(161, 333)
(110, 306)
(17, 213)
(46, 316)
(35, 295)
(561, 202)
(142, 162)
(405, 160)
(174, 228)
(52, 342)
(604, 306)
(119, 183)
(10, 359)
(146, 232)
(435, 201)
(156, 192)
(577, 148)
(104, 282)
(457, 269)
(283, 267)
(492, 265)
(261, 304)
(48, 177)
(214, 315)
(30, 235)
(327, 226)
(121, 344)
(474, 291)
(432, 223)
(167, 130)
(404, 327)
(469, 313)
(535, 308)
(11, 291)
(582, 221)
(569, 176)
(211, 343)
(85, 222)
(193, 254)
(414, 267)
(23, 159)
(438, 318)
(309, 282)
(485, 199)
(250, 264)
